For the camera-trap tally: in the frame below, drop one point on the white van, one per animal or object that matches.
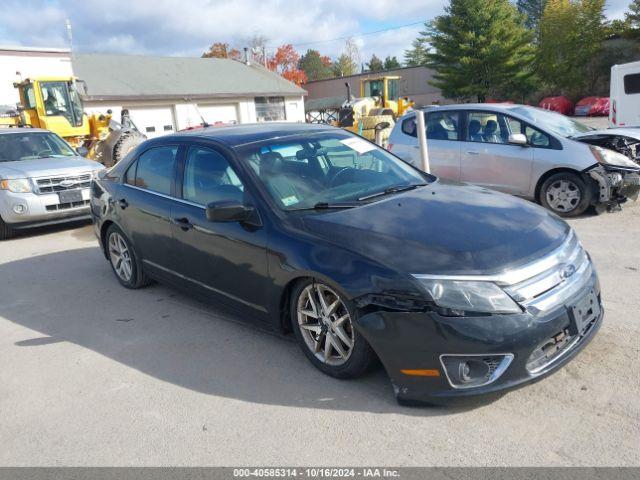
(625, 95)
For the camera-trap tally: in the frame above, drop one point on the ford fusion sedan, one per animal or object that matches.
(43, 181)
(525, 151)
(457, 290)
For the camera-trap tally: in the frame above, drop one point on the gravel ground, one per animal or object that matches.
(93, 374)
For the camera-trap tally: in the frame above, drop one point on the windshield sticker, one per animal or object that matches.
(359, 145)
(288, 201)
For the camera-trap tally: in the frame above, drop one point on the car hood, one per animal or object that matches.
(47, 167)
(444, 228)
(623, 132)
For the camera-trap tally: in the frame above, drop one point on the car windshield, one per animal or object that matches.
(16, 146)
(328, 170)
(552, 121)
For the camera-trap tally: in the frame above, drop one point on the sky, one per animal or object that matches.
(188, 27)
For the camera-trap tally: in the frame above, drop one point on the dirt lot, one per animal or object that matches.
(93, 374)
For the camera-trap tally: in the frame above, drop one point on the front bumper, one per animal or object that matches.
(416, 340)
(615, 186)
(43, 209)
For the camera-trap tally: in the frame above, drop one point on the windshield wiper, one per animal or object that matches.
(328, 206)
(392, 189)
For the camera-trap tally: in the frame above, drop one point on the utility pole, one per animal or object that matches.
(69, 34)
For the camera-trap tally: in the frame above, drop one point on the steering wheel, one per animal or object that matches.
(338, 174)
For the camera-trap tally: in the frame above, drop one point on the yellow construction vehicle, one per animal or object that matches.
(54, 103)
(379, 104)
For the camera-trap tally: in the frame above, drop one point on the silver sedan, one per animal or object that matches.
(521, 150)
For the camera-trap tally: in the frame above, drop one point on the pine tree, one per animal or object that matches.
(533, 11)
(481, 48)
(375, 64)
(391, 63)
(417, 54)
(316, 66)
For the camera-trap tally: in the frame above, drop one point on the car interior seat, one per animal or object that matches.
(474, 131)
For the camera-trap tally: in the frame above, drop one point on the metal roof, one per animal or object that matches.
(325, 103)
(134, 77)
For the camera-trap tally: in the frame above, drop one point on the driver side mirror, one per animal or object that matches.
(82, 151)
(229, 211)
(518, 139)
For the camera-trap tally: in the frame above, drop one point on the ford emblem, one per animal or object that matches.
(67, 183)
(567, 271)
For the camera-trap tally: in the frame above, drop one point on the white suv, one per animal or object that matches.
(42, 180)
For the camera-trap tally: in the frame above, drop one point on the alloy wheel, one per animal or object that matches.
(563, 196)
(325, 324)
(120, 257)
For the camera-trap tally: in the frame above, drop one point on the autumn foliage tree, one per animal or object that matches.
(222, 50)
(285, 62)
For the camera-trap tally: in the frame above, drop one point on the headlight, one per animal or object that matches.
(19, 185)
(609, 157)
(470, 296)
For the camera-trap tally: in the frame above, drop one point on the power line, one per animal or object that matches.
(304, 44)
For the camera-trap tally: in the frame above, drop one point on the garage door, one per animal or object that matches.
(153, 121)
(216, 114)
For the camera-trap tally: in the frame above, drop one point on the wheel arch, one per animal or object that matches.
(543, 178)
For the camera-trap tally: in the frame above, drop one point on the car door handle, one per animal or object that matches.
(183, 223)
(472, 152)
(123, 203)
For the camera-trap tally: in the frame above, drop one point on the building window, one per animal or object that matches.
(270, 109)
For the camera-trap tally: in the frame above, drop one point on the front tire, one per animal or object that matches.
(566, 194)
(123, 259)
(6, 232)
(323, 323)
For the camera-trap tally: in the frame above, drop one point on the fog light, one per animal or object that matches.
(468, 371)
(19, 209)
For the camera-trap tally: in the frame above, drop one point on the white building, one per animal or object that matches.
(26, 62)
(163, 94)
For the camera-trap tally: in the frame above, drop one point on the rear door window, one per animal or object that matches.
(440, 126)
(155, 169)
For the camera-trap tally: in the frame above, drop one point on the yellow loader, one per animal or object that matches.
(376, 110)
(54, 103)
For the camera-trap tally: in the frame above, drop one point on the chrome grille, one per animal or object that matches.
(67, 206)
(62, 183)
(559, 276)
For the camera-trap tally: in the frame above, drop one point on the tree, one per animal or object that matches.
(632, 19)
(315, 66)
(481, 48)
(417, 54)
(343, 66)
(391, 63)
(571, 36)
(285, 62)
(222, 50)
(375, 64)
(533, 11)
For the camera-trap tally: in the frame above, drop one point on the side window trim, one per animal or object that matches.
(176, 167)
(182, 163)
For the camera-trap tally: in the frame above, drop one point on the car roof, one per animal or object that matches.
(10, 130)
(476, 106)
(237, 135)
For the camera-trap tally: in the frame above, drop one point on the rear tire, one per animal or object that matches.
(565, 194)
(6, 232)
(348, 355)
(123, 259)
